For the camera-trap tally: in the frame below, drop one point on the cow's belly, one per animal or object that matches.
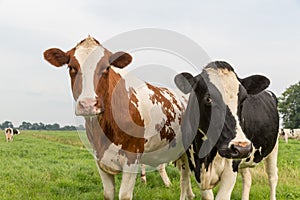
(158, 151)
(113, 161)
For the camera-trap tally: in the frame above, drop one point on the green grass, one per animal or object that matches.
(56, 165)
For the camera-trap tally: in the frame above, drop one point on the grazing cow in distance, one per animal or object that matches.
(289, 134)
(16, 131)
(285, 134)
(128, 121)
(9, 134)
(234, 125)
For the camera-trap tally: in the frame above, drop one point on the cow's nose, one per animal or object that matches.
(240, 150)
(87, 103)
(86, 107)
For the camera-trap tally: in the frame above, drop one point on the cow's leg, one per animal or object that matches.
(286, 137)
(185, 181)
(247, 180)
(207, 195)
(164, 175)
(127, 185)
(227, 182)
(271, 168)
(108, 182)
(143, 173)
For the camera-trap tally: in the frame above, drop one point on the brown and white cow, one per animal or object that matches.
(128, 121)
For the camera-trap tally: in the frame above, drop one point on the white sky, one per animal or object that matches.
(257, 36)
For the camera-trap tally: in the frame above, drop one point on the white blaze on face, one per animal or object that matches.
(88, 58)
(228, 85)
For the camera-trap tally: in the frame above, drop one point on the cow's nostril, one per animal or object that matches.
(238, 151)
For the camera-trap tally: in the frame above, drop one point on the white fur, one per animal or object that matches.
(228, 85)
(88, 59)
(211, 177)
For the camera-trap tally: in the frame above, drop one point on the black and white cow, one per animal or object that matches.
(9, 135)
(234, 123)
(16, 131)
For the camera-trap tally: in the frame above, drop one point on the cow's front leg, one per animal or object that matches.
(108, 182)
(127, 183)
(247, 180)
(227, 182)
(272, 171)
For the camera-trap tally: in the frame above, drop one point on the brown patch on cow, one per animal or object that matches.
(132, 139)
(168, 108)
(75, 74)
(134, 99)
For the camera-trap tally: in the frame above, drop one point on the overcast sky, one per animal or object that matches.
(257, 36)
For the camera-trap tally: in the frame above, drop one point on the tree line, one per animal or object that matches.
(289, 106)
(40, 126)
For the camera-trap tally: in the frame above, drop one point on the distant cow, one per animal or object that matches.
(234, 124)
(16, 131)
(128, 121)
(9, 134)
(289, 134)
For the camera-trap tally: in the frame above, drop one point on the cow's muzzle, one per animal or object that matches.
(236, 150)
(87, 107)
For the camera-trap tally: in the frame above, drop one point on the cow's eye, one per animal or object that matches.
(72, 70)
(208, 100)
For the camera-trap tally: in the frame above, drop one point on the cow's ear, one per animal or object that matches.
(184, 82)
(255, 84)
(56, 57)
(120, 59)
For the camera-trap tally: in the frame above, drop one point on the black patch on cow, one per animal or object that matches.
(242, 96)
(257, 156)
(235, 165)
(220, 65)
(248, 159)
(199, 162)
(228, 134)
(261, 122)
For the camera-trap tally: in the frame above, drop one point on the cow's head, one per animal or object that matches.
(89, 65)
(219, 95)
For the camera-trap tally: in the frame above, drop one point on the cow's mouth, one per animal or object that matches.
(89, 112)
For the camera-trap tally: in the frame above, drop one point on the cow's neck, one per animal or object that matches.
(121, 122)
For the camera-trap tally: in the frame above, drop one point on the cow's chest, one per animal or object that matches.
(210, 178)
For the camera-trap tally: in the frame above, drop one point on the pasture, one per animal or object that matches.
(56, 165)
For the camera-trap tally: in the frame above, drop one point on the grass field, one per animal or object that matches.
(56, 165)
